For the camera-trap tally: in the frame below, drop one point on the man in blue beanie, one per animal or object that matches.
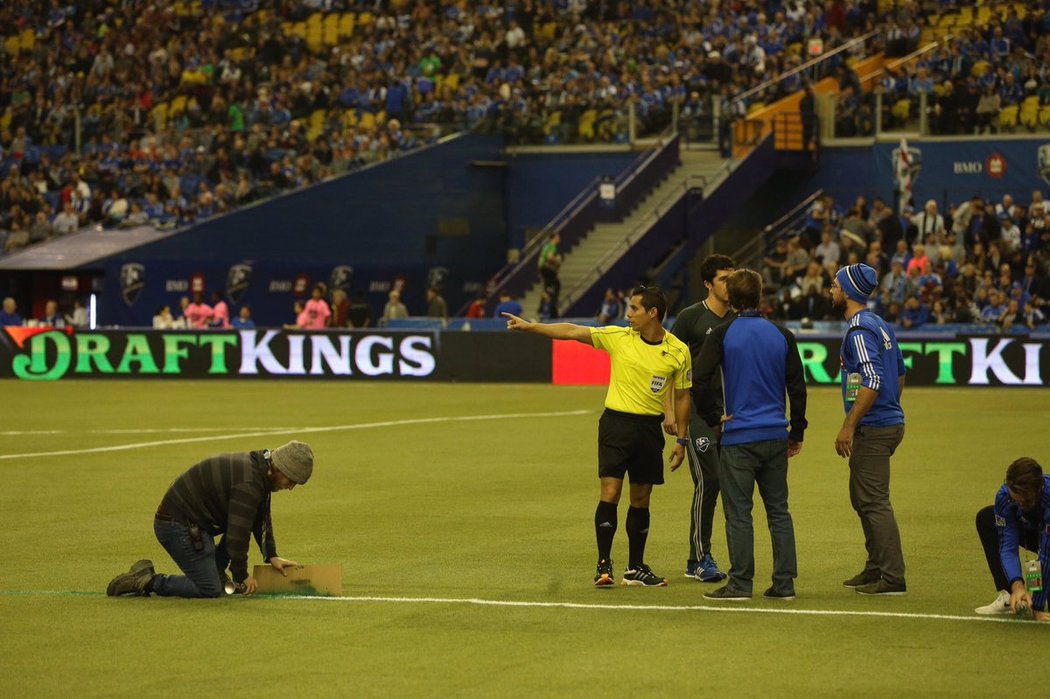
(872, 383)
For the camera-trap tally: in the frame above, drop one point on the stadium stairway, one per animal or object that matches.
(606, 243)
(669, 223)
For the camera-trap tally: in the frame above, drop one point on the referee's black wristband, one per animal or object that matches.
(684, 441)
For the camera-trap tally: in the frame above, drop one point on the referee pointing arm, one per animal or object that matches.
(647, 362)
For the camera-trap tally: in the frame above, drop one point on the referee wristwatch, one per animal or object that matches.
(684, 441)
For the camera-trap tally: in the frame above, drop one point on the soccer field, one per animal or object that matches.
(462, 516)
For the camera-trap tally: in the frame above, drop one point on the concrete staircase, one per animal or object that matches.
(701, 167)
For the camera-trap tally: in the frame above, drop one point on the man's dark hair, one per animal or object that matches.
(744, 287)
(1024, 475)
(710, 267)
(652, 297)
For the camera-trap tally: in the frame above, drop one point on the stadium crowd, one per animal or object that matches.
(981, 262)
(986, 76)
(128, 112)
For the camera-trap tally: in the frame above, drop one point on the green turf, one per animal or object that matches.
(495, 509)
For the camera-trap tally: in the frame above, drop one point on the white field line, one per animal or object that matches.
(144, 430)
(653, 607)
(265, 432)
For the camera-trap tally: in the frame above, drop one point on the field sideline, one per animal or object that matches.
(462, 517)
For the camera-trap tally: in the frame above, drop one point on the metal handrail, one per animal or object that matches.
(746, 251)
(805, 66)
(647, 221)
(532, 248)
(893, 65)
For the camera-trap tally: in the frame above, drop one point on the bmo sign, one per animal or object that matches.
(994, 166)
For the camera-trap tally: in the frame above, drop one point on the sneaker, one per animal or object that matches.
(709, 571)
(774, 593)
(1001, 605)
(727, 593)
(862, 578)
(883, 589)
(644, 576)
(603, 577)
(133, 583)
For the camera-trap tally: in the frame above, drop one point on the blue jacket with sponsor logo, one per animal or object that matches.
(1012, 522)
(760, 366)
(870, 350)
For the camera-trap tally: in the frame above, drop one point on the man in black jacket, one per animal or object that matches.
(227, 495)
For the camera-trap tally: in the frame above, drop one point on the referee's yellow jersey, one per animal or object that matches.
(642, 373)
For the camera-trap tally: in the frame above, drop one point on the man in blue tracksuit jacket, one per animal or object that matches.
(1019, 519)
(760, 364)
(872, 383)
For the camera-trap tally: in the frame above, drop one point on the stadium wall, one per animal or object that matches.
(952, 170)
(451, 210)
(45, 354)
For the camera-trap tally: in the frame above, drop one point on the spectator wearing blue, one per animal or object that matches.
(872, 384)
(760, 364)
(9, 313)
(507, 304)
(243, 321)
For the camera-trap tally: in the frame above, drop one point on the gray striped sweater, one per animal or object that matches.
(226, 494)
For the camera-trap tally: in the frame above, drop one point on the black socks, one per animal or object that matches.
(637, 534)
(605, 528)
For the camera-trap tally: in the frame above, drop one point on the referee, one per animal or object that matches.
(692, 326)
(647, 362)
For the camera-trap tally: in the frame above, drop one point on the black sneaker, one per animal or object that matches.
(862, 578)
(133, 583)
(728, 593)
(883, 589)
(603, 577)
(774, 593)
(643, 575)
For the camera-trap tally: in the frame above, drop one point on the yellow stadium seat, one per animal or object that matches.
(979, 69)
(350, 118)
(27, 40)
(586, 126)
(755, 107)
(346, 25)
(299, 29)
(5, 118)
(554, 119)
(367, 121)
(178, 106)
(365, 19)
(1008, 117)
(902, 110)
(159, 113)
(12, 45)
(1029, 114)
(549, 30)
(316, 19)
(1044, 115)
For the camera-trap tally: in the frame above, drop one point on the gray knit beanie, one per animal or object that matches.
(295, 460)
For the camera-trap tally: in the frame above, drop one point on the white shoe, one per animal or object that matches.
(1001, 605)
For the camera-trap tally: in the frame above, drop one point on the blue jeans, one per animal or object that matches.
(201, 567)
(742, 466)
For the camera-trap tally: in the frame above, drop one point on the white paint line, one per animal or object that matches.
(655, 607)
(293, 430)
(143, 430)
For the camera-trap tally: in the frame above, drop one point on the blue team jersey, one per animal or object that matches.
(871, 358)
(1012, 523)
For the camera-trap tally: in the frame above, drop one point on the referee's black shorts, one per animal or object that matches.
(632, 445)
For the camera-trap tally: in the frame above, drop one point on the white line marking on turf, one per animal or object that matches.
(650, 607)
(143, 430)
(264, 432)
